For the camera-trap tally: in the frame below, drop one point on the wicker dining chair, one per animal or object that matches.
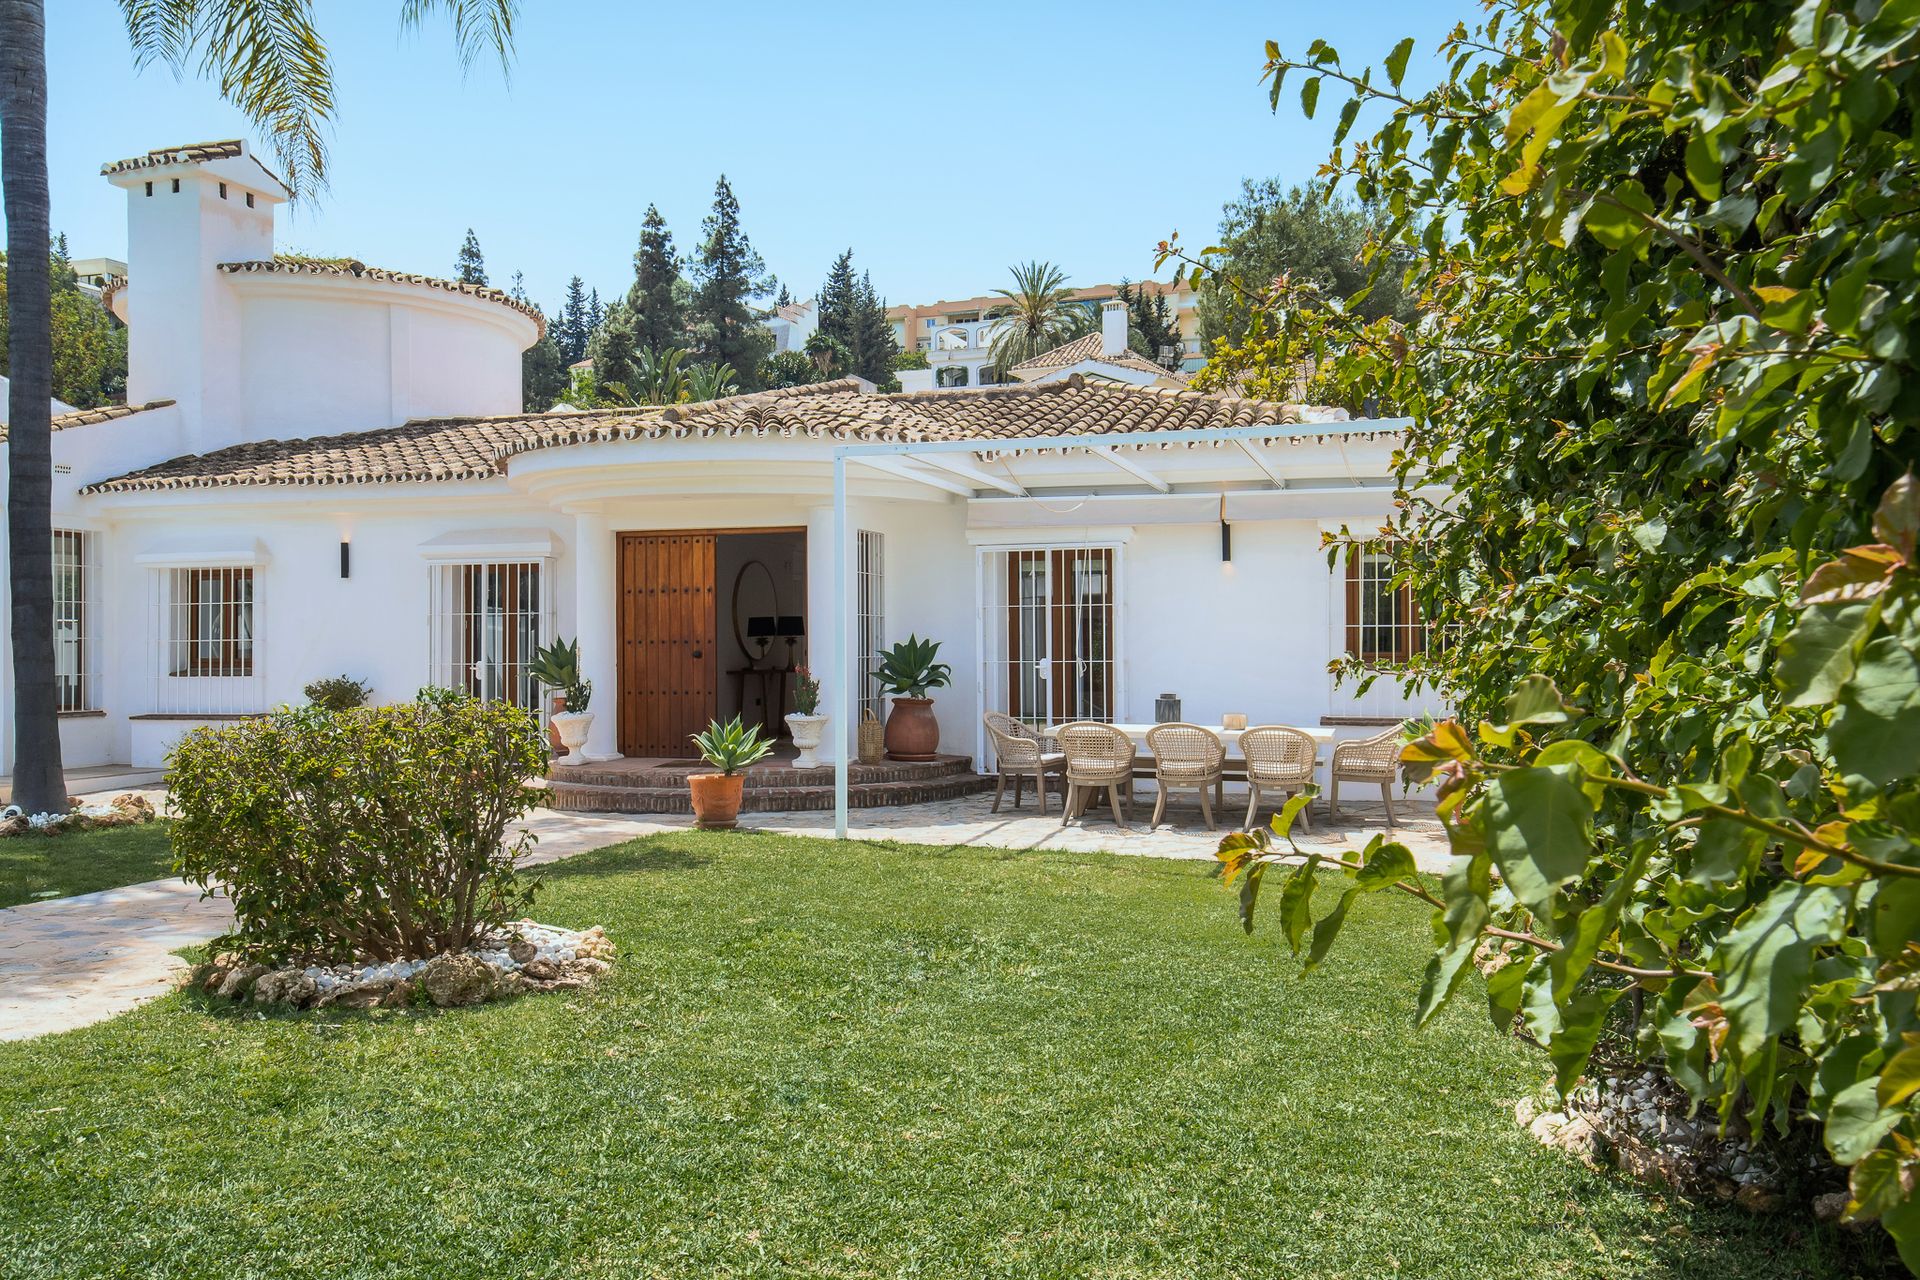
(1018, 753)
(1278, 759)
(1099, 756)
(1375, 759)
(1185, 756)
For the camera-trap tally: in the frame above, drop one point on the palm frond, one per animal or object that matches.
(479, 26)
(266, 57)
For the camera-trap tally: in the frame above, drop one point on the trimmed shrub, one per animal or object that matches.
(375, 832)
(338, 693)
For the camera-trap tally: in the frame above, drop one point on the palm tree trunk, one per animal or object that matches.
(39, 785)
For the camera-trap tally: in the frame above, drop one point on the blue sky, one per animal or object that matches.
(941, 141)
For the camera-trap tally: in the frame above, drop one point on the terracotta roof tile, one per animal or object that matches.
(1088, 347)
(288, 265)
(185, 153)
(105, 413)
(478, 448)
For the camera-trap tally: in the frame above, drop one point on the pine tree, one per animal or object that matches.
(518, 290)
(728, 276)
(571, 328)
(659, 310)
(471, 265)
(596, 314)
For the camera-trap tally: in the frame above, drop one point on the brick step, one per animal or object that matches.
(630, 775)
(579, 797)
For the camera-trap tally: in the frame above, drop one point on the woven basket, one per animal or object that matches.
(872, 737)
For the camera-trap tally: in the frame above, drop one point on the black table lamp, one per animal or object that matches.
(791, 627)
(763, 629)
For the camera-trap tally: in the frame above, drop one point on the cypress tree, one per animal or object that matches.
(658, 309)
(876, 345)
(728, 276)
(838, 302)
(571, 328)
(543, 372)
(471, 265)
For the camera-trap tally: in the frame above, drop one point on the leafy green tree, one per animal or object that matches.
(658, 296)
(1038, 315)
(89, 345)
(271, 63)
(613, 346)
(728, 276)
(1666, 375)
(789, 369)
(1302, 235)
(471, 264)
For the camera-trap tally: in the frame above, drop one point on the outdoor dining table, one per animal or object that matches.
(1229, 738)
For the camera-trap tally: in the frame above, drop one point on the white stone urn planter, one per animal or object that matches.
(572, 726)
(807, 733)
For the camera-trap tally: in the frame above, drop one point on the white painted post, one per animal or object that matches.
(842, 685)
(596, 603)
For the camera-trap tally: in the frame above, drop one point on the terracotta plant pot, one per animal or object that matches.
(556, 705)
(716, 800)
(912, 731)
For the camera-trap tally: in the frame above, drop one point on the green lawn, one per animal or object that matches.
(865, 1060)
(34, 867)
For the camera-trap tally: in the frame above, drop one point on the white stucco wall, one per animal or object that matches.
(322, 356)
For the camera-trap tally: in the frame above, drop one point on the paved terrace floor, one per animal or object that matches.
(71, 962)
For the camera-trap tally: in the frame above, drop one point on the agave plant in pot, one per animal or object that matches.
(730, 748)
(908, 671)
(557, 667)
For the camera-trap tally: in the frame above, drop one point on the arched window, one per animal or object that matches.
(987, 377)
(951, 375)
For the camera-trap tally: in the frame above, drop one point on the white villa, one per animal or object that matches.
(322, 471)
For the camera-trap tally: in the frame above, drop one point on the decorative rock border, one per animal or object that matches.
(125, 810)
(526, 957)
(1644, 1125)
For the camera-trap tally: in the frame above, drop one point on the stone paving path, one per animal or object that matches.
(71, 962)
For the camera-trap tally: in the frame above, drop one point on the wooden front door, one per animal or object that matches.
(669, 658)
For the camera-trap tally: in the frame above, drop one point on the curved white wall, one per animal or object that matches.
(318, 360)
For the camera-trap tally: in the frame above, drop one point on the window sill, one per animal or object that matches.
(199, 715)
(82, 715)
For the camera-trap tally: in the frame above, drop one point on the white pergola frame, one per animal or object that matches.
(951, 464)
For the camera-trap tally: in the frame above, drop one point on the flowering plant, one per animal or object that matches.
(806, 692)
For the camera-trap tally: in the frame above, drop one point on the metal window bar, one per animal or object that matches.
(870, 620)
(75, 606)
(1049, 644)
(487, 621)
(202, 624)
(1379, 625)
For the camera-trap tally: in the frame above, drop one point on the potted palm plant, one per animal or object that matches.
(805, 722)
(730, 748)
(908, 671)
(557, 667)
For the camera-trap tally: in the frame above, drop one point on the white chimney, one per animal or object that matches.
(188, 209)
(1113, 328)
